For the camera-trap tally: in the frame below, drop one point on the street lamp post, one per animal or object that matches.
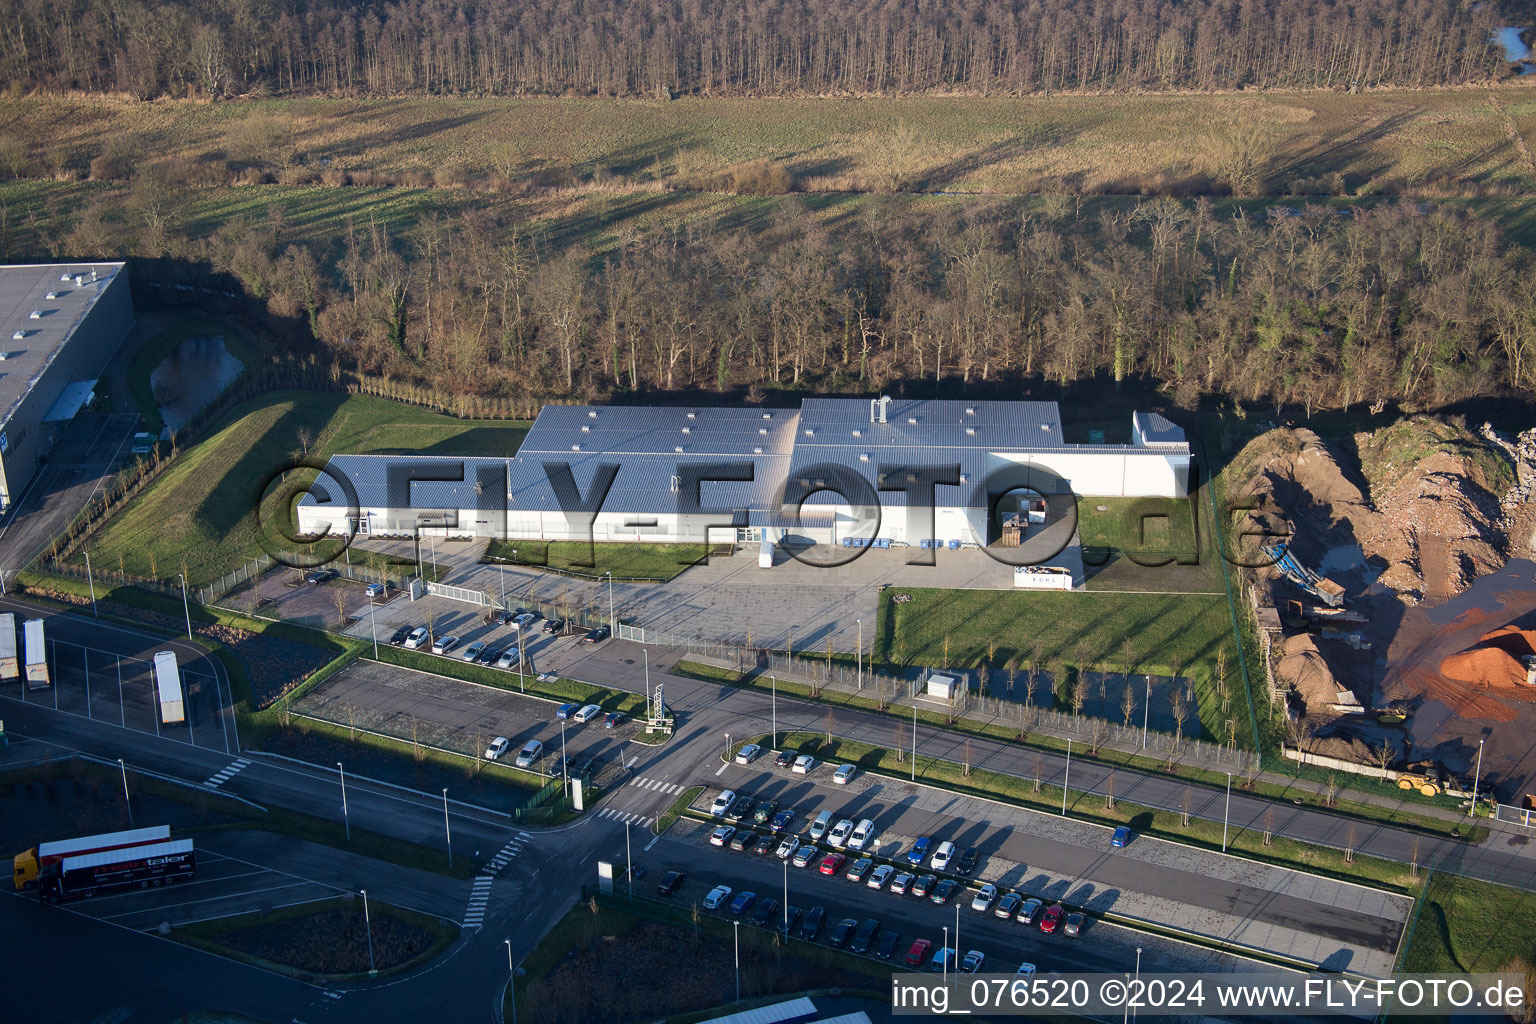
(185, 607)
(1066, 779)
(1476, 777)
(859, 654)
(944, 952)
(368, 923)
(373, 626)
(344, 816)
(1226, 814)
(727, 747)
(127, 802)
(1138, 978)
(91, 581)
(773, 703)
(446, 831)
(511, 980)
(737, 930)
(914, 739)
(565, 775)
(1145, 711)
(612, 624)
(786, 901)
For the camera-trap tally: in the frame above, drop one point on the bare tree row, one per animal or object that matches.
(651, 48)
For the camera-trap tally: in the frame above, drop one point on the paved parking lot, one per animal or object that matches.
(1315, 920)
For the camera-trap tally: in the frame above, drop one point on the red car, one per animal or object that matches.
(832, 863)
(918, 953)
(1052, 917)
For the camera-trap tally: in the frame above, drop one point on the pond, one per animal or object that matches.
(191, 377)
(1514, 49)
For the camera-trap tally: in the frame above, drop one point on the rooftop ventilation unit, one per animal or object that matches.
(809, 432)
(970, 410)
(4, 356)
(858, 433)
(66, 277)
(37, 314)
(575, 447)
(912, 420)
(877, 408)
(1045, 427)
(963, 478)
(80, 281)
(693, 415)
(678, 449)
(970, 431)
(762, 430)
(863, 457)
(591, 414)
(767, 415)
(51, 296)
(687, 430)
(586, 429)
(19, 336)
(674, 484)
(758, 450)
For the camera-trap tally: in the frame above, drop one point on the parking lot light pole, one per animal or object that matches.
(1476, 777)
(944, 952)
(859, 654)
(368, 923)
(91, 581)
(773, 702)
(612, 623)
(511, 979)
(346, 819)
(737, 930)
(373, 625)
(1226, 814)
(447, 831)
(1066, 778)
(127, 802)
(727, 747)
(957, 929)
(786, 900)
(185, 607)
(1138, 978)
(565, 765)
(914, 739)
(1146, 709)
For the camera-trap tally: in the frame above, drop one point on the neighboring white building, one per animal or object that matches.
(667, 471)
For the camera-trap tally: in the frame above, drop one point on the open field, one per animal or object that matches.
(1468, 926)
(202, 509)
(1143, 526)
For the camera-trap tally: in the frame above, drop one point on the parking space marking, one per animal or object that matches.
(234, 768)
(207, 899)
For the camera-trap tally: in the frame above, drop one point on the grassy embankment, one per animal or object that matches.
(625, 561)
(1465, 926)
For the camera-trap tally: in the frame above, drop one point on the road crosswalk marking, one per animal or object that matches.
(626, 817)
(230, 771)
(479, 896)
(508, 852)
(656, 785)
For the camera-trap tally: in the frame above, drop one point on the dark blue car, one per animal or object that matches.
(567, 710)
(1121, 837)
(919, 851)
(742, 902)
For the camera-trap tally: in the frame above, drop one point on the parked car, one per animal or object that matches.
(832, 863)
(398, 636)
(804, 854)
(1025, 971)
(523, 621)
(512, 657)
(1028, 910)
(717, 896)
(530, 753)
(985, 897)
(320, 575)
(787, 920)
(845, 928)
(1052, 918)
(555, 626)
(840, 833)
(919, 851)
(972, 962)
(582, 767)
(671, 882)
(918, 952)
(497, 747)
(444, 644)
(489, 654)
(567, 710)
(859, 869)
(765, 911)
(781, 821)
(901, 883)
(743, 902)
(417, 637)
(597, 635)
(803, 764)
(943, 960)
(843, 774)
(879, 876)
(943, 891)
(1008, 905)
(743, 839)
(784, 758)
(967, 862)
(886, 949)
(923, 886)
(472, 652)
(864, 936)
(765, 843)
(1121, 837)
(766, 809)
(942, 857)
(811, 926)
(743, 809)
(613, 719)
(787, 847)
(1073, 925)
(747, 753)
(820, 825)
(723, 802)
(587, 713)
(504, 617)
(374, 590)
(862, 835)
(722, 835)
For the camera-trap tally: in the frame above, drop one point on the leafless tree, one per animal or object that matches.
(1128, 704)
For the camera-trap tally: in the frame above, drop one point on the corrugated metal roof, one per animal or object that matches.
(652, 430)
(651, 484)
(774, 1013)
(474, 480)
(1156, 429)
(929, 424)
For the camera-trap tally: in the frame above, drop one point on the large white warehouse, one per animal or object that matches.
(897, 470)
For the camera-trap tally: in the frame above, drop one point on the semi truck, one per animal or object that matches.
(27, 865)
(10, 668)
(87, 874)
(36, 654)
(168, 689)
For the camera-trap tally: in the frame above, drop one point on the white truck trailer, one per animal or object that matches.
(168, 689)
(35, 649)
(10, 668)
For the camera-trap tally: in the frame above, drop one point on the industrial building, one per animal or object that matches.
(834, 471)
(63, 323)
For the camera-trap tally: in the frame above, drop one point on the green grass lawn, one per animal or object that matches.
(1470, 926)
(1140, 525)
(625, 561)
(203, 509)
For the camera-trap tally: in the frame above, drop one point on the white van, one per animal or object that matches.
(942, 857)
(529, 754)
(862, 835)
(820, 825)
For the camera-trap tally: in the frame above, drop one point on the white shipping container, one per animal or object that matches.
(10, 668)
(168, 688)
(36, 652)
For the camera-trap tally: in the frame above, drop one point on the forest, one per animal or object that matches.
(1401, 303)
(217, 48)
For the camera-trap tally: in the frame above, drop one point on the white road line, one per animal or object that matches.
(721, 769)
(207, 899)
